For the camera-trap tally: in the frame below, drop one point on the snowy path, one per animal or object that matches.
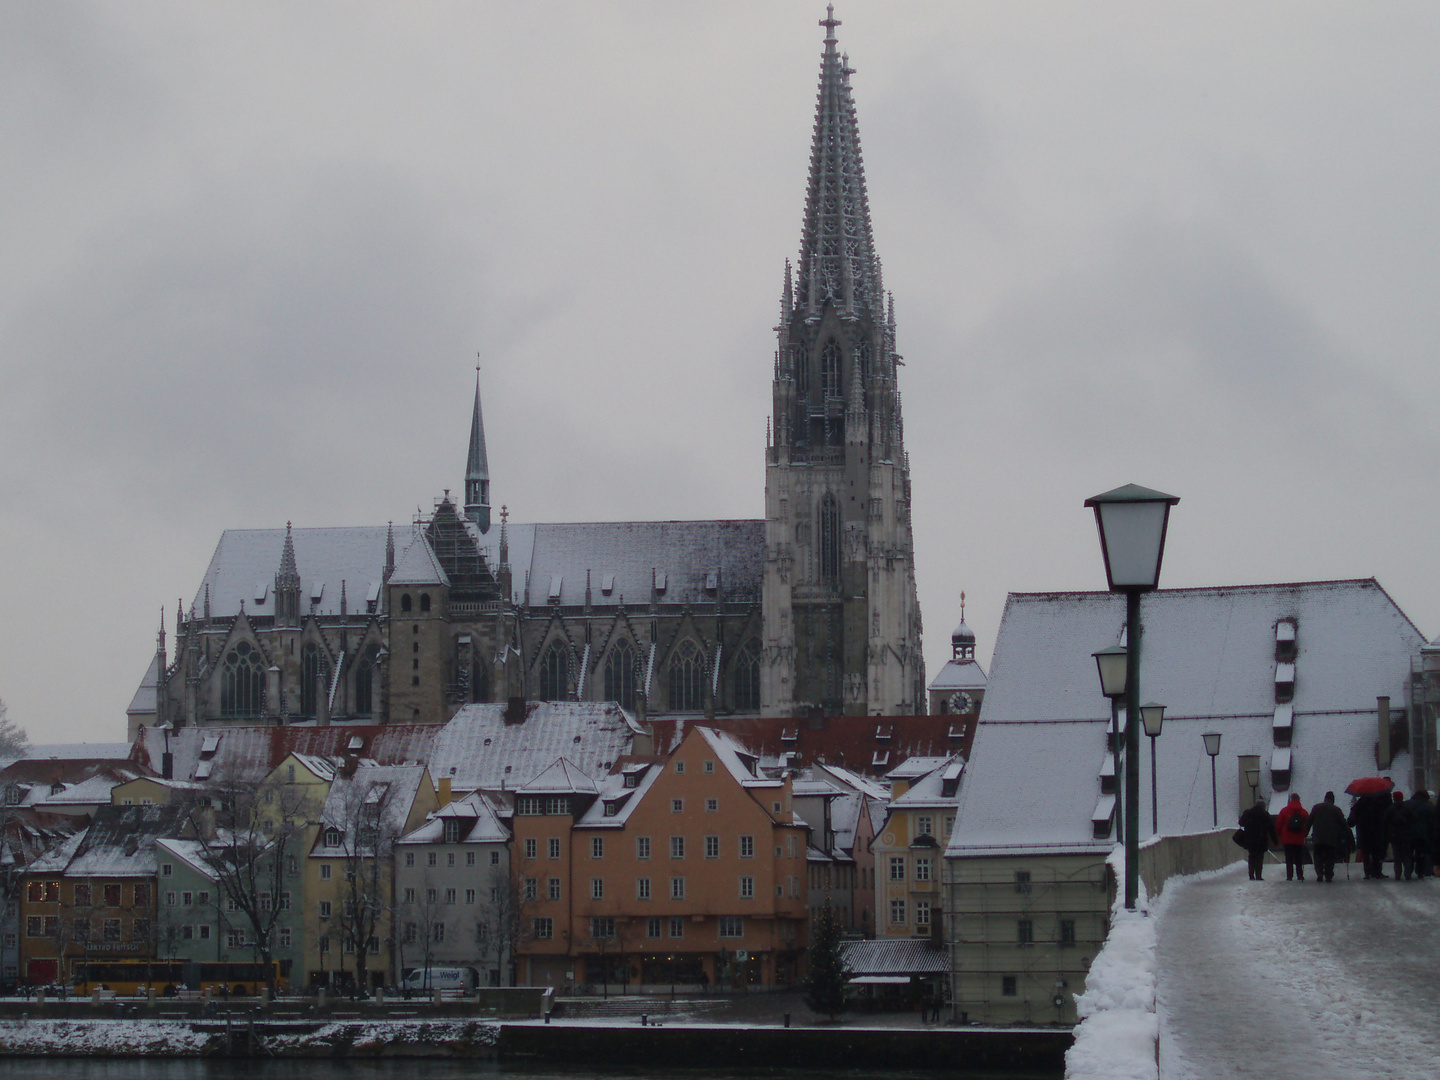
(1280, 979)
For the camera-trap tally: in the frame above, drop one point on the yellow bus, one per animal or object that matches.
(132, 977)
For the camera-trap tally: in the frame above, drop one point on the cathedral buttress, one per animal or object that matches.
(841, 613)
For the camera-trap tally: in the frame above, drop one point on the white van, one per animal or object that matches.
(459, 980)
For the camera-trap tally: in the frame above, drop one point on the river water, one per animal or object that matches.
(396, 1069)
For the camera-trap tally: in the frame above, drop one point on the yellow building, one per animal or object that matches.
(909, 848)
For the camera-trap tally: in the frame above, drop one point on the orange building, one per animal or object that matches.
(687, 871)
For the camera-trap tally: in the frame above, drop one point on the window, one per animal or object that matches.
(205, 933)
(897, 868)
(530, 843)
(747, 888)
(494, 858)
(169, 899)
(324, 943)
(597, 847)
(830, 369)
(235, 939)
(80, 930)
(140, 930)
(922, 868)
(452, 831)
(924, 826)
(642, 847)
(949, 824)
(1024, 932)
(406, 604)
(677, 806)
(437, 932)
(897, 911)
(83, 896)
(430, 858)
(677, 847)
(747, 847)
(687, 678)
(747, 679)
(602, 927)
(324, 871)
(652, 927)
(112, 894)
(597, 888)
(469, 896)
(325, 909)
(829, 540)
(732, 926)
(469, 858)
(677, 926)
(166, 869)
(554, 851)
(677, 888)
(620, 675)
(365, 682)
(679, 768)
(922, 914)
(264, 901)
(312, 674)
(285, 938)
(1022, 881)
(409, 896)
(709, 767)
(529, 888)
(431, 896)
(111, 930)
(712, 806)
(449, 896)
(332, 837)
(543, 929)
(554, 673)
(1007, 985)
(409, 858)
(1067, 931)
(292, 865)
(424, 601)
(242, 683)
(642, 888)
(284, 900)
(712, 847)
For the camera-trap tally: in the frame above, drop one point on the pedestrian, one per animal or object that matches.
(1330, 835)
(1398, 827)
(1291, 825)
(1422, 832)
(1367, 817)
(1259, 835)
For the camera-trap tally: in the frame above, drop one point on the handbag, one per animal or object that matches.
(1239, 838)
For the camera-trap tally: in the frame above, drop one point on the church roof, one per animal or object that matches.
(419, 566)
(245, 561)
(959, 675)
(837, 248)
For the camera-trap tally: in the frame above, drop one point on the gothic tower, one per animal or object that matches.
(841, 615)
(477, 468)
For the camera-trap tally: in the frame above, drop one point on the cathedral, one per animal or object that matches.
(811, 610)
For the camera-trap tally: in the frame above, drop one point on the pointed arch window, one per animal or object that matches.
(829, 532)
(365, 682)
(747, 678)
(830, 369)
(554, 673)
(801, 360)
(479, 681)
(687, 679)
(862, 356)
(242, 682)
(620, 671)
(313, 670)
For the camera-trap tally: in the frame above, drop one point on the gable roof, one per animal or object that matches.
(479, 750)
(119, 842)
(393, 788)
(561, 778)
(419, 566)
(485, 826)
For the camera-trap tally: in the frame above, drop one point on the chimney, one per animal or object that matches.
(1383, 756)
(167, 766)
(515, 711)
(444, 791)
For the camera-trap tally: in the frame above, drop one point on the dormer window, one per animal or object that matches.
(1285, 641)
(332, 837)
(452, 831)
(789, 735)
(1284, 683)
(882, 734)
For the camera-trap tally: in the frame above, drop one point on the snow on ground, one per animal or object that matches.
(109, 1037)
(1299, 979)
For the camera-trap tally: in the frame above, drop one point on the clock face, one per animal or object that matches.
(961, 703)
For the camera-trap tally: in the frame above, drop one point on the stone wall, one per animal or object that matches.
(1166, 856)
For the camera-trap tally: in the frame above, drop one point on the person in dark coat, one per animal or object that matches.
(1331, 837)
(1398, 827)
(1291, 825)
(1367, 817)
(1259, 835)
(1422, 832)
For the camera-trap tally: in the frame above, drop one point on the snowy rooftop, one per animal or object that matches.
(81, 751)
(484, 825)
(478, 750)
(418, 565)
(391, 788)
(245, 561)
(616, 802)
(894, 956)
(561, 778)
(1209, 655)
(959, 675)
(119, 842)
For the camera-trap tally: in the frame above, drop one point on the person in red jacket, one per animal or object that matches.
(1291, 825)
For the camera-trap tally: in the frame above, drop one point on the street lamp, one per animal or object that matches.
(1212, 747)
(1153, 717)
(1132, 521)
(1112, 663)
(1252, 777)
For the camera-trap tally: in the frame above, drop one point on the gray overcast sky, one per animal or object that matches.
(249, 252)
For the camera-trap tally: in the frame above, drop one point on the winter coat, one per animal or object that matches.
(1398, 824)
(1328, 828)
(1368, 818)
(1293, 822)
(1422, 820)
(1259, 829)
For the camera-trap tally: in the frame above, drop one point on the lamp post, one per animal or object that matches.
(1132, 521)
(1153, 717)
(1112, 663)
(1252, 777)
(1212, 747)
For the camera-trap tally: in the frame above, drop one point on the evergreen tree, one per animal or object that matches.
(825, 974)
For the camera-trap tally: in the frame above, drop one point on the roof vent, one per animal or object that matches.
(556, 582)
(317, 590)
(1103, 818)
(880, 759)
(607, 584)
(262, 590)
(661, 581)
(712, 581)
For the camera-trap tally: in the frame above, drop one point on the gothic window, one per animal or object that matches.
(862, 354)
(687, 679)
(242, 685)
(365, 682)
(313, 670)
(554, 673)
(747, 679)
(829, 540)
(830, 369)
(620, 675)
(405, 602)
(802, 370)
(479, 682)
(424, 601)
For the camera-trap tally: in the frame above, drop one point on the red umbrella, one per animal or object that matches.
(1370, 785)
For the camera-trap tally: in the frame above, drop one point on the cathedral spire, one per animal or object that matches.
(477, 468)
(287, 585)
(837, 249)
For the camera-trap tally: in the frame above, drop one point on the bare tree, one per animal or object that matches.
(502, 925)
(13, 740)
(419, 916)
(367, 836)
